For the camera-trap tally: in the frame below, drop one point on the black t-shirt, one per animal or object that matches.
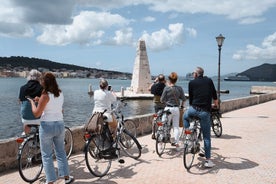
(157, 88)
(201, 93)
(32, 88)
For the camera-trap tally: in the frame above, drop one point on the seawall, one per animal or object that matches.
(9, 147)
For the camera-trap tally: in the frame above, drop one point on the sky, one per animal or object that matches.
(179, 34)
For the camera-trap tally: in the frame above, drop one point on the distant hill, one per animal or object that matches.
(264, 72)
(22, 63)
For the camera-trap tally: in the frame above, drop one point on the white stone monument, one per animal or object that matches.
(141, 77)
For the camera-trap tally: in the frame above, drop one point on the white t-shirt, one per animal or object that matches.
(53, 109)
(102, 101)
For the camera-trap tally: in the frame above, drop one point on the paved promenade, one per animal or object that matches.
(245, 153)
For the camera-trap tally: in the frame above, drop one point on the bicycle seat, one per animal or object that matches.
(168, 112)
(194, 118)
(105, 117)
(214, 109)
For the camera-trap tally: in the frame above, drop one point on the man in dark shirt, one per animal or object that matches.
(157, 89)
(201, 93)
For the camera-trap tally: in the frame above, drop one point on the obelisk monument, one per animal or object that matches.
(141, 77)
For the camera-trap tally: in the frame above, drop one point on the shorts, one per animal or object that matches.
(31, 122)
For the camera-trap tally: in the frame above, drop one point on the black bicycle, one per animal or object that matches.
(29, 154)
(215, 122)
(191, 142)
(101, 148)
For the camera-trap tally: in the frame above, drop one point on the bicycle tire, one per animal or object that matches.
(68, 142)
(29, 160)
(131, 127)
(188, 155)
(160, 144)
(216, 124)
(130, 145)
(96, 164)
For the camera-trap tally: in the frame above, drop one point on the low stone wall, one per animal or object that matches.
(262, 89)
(9, 147)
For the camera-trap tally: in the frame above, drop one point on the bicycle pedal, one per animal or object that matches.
(121, 161)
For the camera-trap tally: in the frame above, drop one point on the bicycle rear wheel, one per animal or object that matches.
(131, 127)
(160, 144)
(130, 144)
(68, 142)
(189, 154)
(216, 125)
(29, 160)
(96, 164)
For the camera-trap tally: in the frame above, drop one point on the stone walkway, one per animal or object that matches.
(245, 153)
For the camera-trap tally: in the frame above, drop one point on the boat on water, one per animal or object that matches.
(237, 78)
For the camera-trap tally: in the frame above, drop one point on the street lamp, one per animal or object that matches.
(220, 40)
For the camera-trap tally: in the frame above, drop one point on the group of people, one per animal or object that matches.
(42, 104)
(202, 94)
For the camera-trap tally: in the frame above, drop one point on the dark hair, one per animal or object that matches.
(161, 78)
(199, 71)
(173, 77)
(49, 84)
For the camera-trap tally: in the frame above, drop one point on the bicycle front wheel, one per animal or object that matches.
(216, 125)
(68, 142)
(130, 144)
(160, 144)
(189, 154)
(131, 127)
(96, 164)
(29, 160)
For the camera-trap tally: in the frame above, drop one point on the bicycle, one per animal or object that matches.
(191, 142)
(29, 153)
(163, 135)
(101, 148)
(215, 122)
(128, 123)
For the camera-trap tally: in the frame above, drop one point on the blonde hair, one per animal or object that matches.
(103, 83)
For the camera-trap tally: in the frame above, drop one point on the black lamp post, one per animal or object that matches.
(220, 40)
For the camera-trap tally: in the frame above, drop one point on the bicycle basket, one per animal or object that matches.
(94, 123)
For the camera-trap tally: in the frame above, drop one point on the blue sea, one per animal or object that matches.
(78, 104)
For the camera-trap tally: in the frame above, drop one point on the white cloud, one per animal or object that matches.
(123, 37)
(165, 39)
(87, 28)
(149, 19)
(192, 32)
(267, 52)
(246, 11)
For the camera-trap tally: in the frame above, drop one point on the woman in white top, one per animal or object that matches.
(51, 130)
(103, 98)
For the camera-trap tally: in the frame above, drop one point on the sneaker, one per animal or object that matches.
(153, 136)
(69, 180)
(201, 154)
(209, 164)
(173, 144)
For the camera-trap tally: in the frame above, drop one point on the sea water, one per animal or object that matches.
(78, 104)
